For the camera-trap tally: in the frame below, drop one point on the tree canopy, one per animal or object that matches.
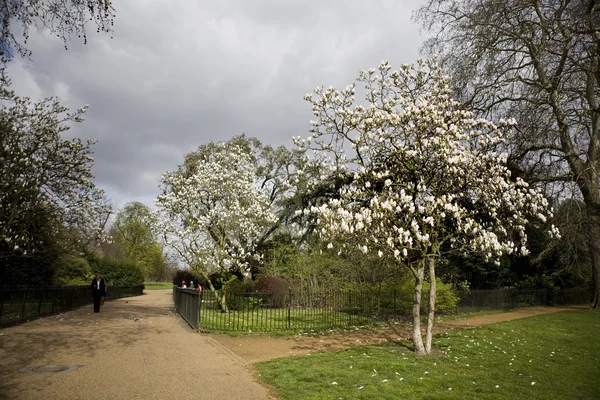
(537, 61)
(61, 18)
(426, 180)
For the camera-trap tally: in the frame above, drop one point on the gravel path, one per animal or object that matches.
(157, 356)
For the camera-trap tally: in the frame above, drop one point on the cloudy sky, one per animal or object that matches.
(181, 73)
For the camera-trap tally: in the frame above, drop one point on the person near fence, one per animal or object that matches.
(98, 291)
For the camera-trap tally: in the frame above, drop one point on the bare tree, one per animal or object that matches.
(62, 18)
(536, 61)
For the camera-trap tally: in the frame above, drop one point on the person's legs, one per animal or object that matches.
(96, 303)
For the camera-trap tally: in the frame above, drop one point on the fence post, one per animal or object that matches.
(199, 307)
(24, 303)
(41, 294)
(289, 313)
(1, 307)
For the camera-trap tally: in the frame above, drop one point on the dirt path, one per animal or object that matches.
(156, 357)
(261, 348)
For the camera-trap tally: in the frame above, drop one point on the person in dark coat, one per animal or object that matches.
(98, 291)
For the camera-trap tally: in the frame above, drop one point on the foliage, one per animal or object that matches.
(212, 213)
(46, 187)
(219, 208)
(72, 271)
(237, 285)
(186, 275)
(544, 357)
(426, 181)
(537, 61)
(62, 19)
(272, 284)
(116, 273)
(133, 232)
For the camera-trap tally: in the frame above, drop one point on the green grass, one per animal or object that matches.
(279, 320)
(472, 314)
(555, 356)
(158, 285)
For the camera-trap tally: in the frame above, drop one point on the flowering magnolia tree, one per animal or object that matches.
(426, 180)
(46, 188)
(214, 212)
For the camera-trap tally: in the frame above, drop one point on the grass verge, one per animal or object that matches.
(555, 356)
(158, 285)
(279, 320)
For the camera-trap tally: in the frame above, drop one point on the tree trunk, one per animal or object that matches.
(432, 295)
(591, 196)
(593, 228)
(417, 339)
(220, 299)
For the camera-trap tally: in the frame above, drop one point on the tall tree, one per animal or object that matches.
(539, 61)
(62, 18)
(46, 188)
(133, 232)
(425, 181)
(217, 208)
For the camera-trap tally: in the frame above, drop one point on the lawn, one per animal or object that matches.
(555, 356)
(279, 320)
(158, 285)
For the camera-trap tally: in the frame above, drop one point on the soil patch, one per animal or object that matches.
(254, 348)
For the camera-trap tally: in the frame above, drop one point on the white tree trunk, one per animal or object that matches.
(220, 299)
(432, 295)
(417, 339)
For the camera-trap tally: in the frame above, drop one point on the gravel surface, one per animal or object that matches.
(135, 348)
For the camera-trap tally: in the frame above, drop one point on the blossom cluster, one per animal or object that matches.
(214, 213)
(426, 173)
(44, 177)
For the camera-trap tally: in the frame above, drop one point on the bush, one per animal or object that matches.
(272, 284)
(116, 273)
(445, 303)
(397, 299)
(72, 271)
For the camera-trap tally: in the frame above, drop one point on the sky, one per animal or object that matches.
(177, 74)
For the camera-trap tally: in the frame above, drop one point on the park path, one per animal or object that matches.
(139, 348)
(157, 356)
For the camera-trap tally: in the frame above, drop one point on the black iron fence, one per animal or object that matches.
(187, 304)
(481, 300)
(21, 303)
(320, 311)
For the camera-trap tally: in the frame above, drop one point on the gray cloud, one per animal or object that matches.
(178, 74)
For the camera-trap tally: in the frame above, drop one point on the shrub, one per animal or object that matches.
(397, 299)
(272, 284)
(445, 303)
(116, 273)
(72, 271)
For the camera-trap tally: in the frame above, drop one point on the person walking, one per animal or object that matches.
(98, 291)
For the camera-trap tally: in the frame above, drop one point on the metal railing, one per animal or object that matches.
(305, 311)
(187, 304)
(18, 304)
(501, 299)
